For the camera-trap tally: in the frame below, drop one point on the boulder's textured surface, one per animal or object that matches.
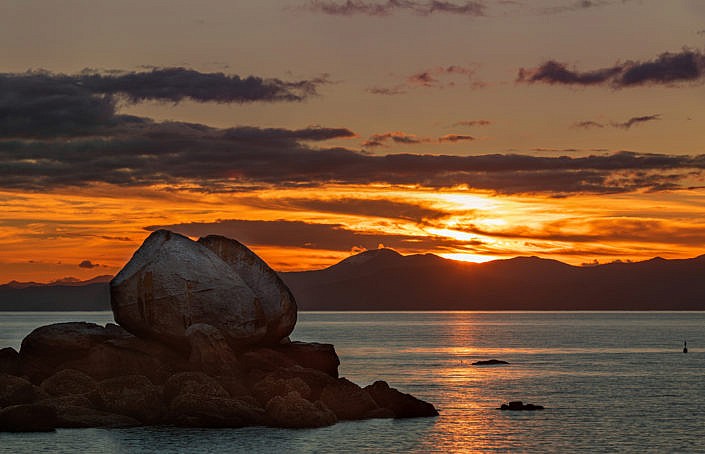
(15, 390)
(27, 418)
(194, 410)
(47, 347)
(277, 302)
(210, 351)
(403, 405)
(131, 395)
(67, 382)
(271, 385)
(312, 355)
(294, 411)
(196, 383)
(347, 400)
(9, 361)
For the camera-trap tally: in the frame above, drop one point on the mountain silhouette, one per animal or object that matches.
(386, 280)
(383, 279)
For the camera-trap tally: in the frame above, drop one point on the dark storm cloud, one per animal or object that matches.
(382, 208)
(386, 8)
(59, 135)
(88, 264)
(687, 66)
(41, 104)
(177, 84)
(634, 121)
(335, 237)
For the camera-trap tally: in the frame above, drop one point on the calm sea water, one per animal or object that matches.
(610, 382)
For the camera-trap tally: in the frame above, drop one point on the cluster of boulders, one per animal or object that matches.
(518, 405)
(201, 341)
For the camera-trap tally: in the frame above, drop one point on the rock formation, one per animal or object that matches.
(202, 341)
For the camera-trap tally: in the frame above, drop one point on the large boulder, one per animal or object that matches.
(15, 390)
(129, 355)
(293, 411)
(276, 299)
(27, 418)
(172, 282)
(68, 382)
(47, 347)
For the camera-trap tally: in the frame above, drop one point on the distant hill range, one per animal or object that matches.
(63, 295)
(383, 279)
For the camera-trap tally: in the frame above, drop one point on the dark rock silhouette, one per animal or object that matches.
(489, 362)
(518, 405)
(9, 361)
(195, 368)
(28, 418)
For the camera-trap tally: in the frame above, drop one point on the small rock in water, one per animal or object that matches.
(518, 405)
(489, 362)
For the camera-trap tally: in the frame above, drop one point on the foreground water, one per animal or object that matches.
(609, 382)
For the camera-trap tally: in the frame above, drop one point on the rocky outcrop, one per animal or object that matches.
(403, 405)
(27, 418)
(131, 395)
(210, 351)
(15, 390)
(68, 382)
(172, 282)
(9, 361)
(312, 355)
(203, 342)
(293, 411)
(347, 400)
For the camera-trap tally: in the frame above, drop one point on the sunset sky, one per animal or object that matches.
(311, 130)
